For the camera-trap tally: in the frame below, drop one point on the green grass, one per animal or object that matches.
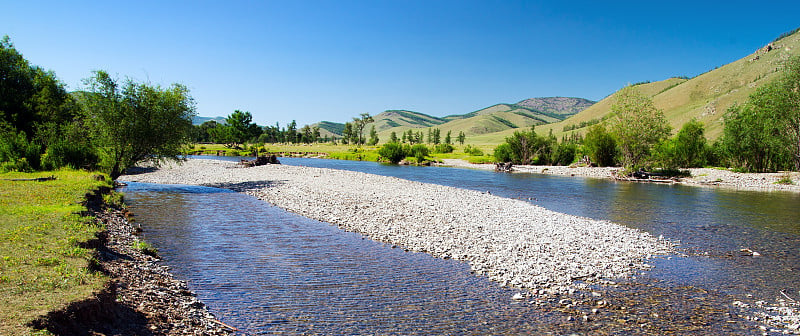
(364, 153)
(42, 268)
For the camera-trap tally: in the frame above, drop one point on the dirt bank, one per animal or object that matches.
(142, 297)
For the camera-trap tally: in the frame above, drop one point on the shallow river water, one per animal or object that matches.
(267, 271)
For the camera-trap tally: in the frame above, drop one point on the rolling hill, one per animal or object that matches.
(495, 118)
(705, 97)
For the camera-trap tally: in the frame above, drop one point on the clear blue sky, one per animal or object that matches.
(332, 60)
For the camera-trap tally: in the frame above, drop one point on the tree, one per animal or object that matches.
(348, 133)
(600, 146)
(358, 127)
(688, 149)
(393, 137)
(137, 122)
(638, 126)
(447, 139)
(461, 137)
(38, 116)
(238, 129)
(373, 137)
(437, 136)
(524, 148)
(291, 132)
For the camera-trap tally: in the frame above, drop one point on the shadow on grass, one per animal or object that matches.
(100, 314)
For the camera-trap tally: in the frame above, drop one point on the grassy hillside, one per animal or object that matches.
(706, 97)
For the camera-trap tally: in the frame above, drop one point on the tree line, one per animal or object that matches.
(761, 135)
(110, 125)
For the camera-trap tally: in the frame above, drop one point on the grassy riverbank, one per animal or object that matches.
(343, 152)
(42, 266)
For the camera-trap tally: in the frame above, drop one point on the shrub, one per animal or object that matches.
(474, 151)
(419, 151)
(502, 153)
(443, 148)
(565, 154)
(392, 151)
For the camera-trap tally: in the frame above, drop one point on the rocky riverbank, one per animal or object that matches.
(511, 241)
(141, 298)
(708, 177)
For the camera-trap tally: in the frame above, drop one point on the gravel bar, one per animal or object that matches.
(511, 241)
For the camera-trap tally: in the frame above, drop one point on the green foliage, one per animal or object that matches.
(564, 154)
(17, 153)
(638, 126)
(443, 148)
(764, 134)
(136, 122)
(145, 248)
(419, 151)
(688, 149)
(786, 179)
(503, 153)
(238, 129)
(600, 146)
(394, 152)
(526, 147)
(472, 150)
(373, 137)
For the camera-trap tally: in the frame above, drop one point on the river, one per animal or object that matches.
(265, 270)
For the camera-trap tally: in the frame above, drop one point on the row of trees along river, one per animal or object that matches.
(112, 124)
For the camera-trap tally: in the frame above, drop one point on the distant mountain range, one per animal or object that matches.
(495, 118)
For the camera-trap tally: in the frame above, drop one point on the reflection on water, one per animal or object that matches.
(267, 271)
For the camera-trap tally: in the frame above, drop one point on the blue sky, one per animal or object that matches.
(332, 60)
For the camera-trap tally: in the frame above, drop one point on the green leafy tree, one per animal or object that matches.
(638, 126)
(36, 109)
(291, 132)
(348, 134)
(393, 137)
(764, 133)
(688, 149)
(461, 137)
(137, 122)
(437, 136)
(373, 137)
(600, 146)
(358, 125)
(524, 147)
(448, 139)
(564, 155)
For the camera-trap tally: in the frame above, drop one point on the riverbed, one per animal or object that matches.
(696, 271)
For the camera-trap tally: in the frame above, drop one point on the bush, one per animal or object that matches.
(600, 146)
(392, 151)
(443, 148)
(69, 154)
(419, 151)
(17, 153)
(474, 151)
(565, 154)
(502, 153)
